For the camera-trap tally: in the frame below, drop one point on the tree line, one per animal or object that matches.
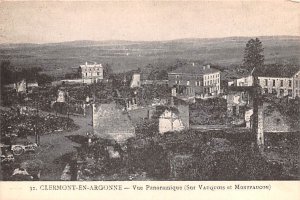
(9, 74)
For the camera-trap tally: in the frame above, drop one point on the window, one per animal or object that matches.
(281, 92)
(177, 76)
(290, 83)
(176, 82)
(290, 93)
(233, 110)
(97, 73)
(274, 83)
(266, 82)
(281, 83)
(188, 83)
(85, 74)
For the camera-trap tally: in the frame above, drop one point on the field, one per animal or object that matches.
(59, 58)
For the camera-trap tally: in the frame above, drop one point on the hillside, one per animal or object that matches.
(59, 58)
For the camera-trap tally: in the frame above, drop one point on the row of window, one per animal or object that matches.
(199, 83)
(205, 77)
(274, 83)
(91, 69)
(281, 92)
(212, 90)
(86, 74)
(210, 82)
(211, 76)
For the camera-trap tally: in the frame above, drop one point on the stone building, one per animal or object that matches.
(240, 105)
(111, 122)
(91, 73)
(194, 80)
(174, 117)
(280, 80)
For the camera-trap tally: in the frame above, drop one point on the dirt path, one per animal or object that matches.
(54, 146)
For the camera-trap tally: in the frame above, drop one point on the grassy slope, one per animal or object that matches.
(58, 58)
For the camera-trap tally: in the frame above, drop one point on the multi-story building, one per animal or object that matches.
(280, 81)
(194, 80)
(91, 73)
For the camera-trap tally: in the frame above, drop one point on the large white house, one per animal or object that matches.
(280, 80)
(91, 73)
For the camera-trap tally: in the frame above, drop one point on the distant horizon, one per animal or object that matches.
(170, 40)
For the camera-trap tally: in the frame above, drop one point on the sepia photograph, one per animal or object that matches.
(150, 91)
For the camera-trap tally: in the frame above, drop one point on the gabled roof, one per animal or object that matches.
(275, 70)
(194, 68)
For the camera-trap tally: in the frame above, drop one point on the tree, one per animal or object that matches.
(7, 74)
(107, 71)
(253, 54)
(43, 79)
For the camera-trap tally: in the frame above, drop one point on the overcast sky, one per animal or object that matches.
(22, 22)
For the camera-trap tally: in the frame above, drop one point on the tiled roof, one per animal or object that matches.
(277, 71)
(194, 69)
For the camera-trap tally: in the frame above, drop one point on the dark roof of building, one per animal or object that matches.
(277, 71)
(194, 68)
(233, 74)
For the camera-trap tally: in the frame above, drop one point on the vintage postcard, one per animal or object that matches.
(150, 99)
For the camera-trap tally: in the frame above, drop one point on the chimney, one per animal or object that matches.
(193, 64)
(208, 66)
(204, 67)
(85, 63)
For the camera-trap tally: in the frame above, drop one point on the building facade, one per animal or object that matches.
(277, 86)
(242, 81)
(296, 84)
(91, 73)
(280, 81)
(240, 105)
(195, 80)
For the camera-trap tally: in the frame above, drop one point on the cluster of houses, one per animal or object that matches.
(203, 81)
(187, 84)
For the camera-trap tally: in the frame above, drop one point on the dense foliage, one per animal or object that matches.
(253, 54)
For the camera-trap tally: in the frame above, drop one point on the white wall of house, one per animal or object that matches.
(296, 91)
(280, 86)
(91, 72)
(169, 121)
(136, 80)
(244, 81)
(212, 81)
